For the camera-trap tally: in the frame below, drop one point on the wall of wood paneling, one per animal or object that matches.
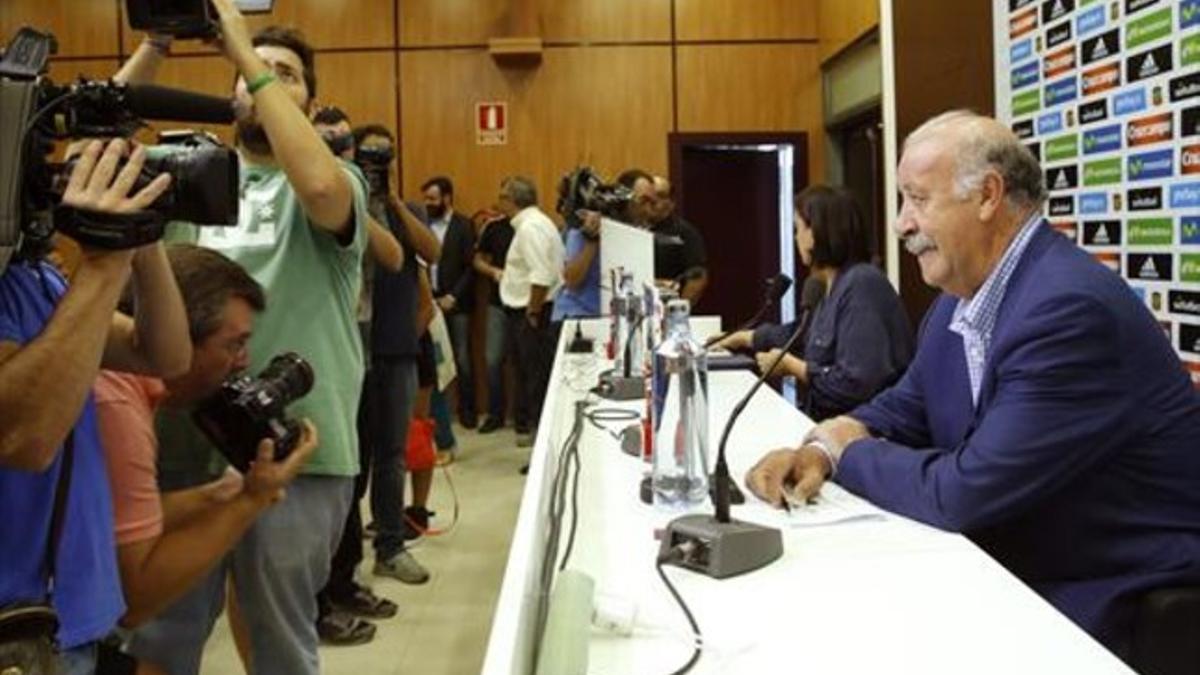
(841, 21)
(615, 78)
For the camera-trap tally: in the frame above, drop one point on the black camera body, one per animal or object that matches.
(376, 163)
(34, 112)
(183, 19)
(248, 409)
(582, 189)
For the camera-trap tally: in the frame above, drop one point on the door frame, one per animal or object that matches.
(678, 140)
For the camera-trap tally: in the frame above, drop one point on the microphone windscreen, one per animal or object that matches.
(813, 293)
(176, 105)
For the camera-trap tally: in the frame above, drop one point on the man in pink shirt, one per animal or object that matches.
(167, 543)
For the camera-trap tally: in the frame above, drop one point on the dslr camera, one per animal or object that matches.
(184, 19)
(34, 113)
(375, 164)
(248, 409)
(583, 189)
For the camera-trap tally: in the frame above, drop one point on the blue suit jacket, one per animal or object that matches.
(1079, 470)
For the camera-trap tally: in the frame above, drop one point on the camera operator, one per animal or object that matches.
(301, 235)
(53, 340)
(580, 294)
(679, 256)
(167, 543)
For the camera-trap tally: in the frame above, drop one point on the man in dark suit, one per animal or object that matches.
(453, 280)
(1044, 416)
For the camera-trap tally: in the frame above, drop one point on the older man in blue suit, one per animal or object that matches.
(1044, 416)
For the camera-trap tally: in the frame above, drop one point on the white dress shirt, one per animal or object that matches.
(536, 257)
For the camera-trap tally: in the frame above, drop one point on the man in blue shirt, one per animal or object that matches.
(53, 341)
(580, 294)
(1042, 400)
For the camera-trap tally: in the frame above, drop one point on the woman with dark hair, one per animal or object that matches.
(859, 339)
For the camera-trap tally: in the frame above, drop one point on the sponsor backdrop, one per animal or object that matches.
(1107, 95)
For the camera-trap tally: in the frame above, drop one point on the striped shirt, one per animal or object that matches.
(975, 318)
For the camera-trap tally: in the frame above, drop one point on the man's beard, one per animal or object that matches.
(436, 211)
(251, 136)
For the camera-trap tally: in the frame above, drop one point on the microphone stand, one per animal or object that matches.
(720, 546)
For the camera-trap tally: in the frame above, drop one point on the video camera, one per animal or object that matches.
(184, 18)
(248, 409)
(34, 112)
(582, 189)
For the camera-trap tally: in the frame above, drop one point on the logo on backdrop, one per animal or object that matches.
(1183, 302)
(1148, 165)
(1145, 199)
(1093, 112)
(1149, 63)
(1062, 177)
(1150, 130)
(1102, 139)
(1101, 233)
(1149, 266)
(1100, 47)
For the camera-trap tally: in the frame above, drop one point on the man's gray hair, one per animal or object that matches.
(983, 145)
(520, 190)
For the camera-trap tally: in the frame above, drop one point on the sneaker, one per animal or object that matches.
(491, 424)
(468, 420)
(344, 630)
(525, 439)
(416, 521)
(364, 603)
(404, 567)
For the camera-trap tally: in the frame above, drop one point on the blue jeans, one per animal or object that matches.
(439, 410)
(395, 391)
(278, 567)
(459, 325)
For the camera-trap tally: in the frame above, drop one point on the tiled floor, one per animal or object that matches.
(443, 626)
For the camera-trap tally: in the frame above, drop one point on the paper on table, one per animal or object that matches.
(833, 505)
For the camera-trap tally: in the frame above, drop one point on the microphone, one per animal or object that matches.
(776, 287)
(723, 547)
(177, 105)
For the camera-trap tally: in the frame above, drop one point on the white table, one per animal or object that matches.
(885, 595)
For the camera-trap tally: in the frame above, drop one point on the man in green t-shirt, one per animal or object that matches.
(301, 234)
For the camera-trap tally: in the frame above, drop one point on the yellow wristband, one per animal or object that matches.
(260, 82)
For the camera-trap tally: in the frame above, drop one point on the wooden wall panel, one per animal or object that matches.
(745, 19)
(369, 95)
(752, 88)
(606, 20)
(473, 22)
(841, 21)
(450, 22)
(558, 118)
(328, 24)
(62, 72)
(83, 27)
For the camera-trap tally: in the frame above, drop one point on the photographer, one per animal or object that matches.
(301, 235)
(395, 348)
(580, 294)
(53, 340)
(679, 257)
(166, 543)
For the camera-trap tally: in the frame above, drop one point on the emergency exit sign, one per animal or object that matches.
(491, 123)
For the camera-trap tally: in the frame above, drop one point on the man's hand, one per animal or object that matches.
(266, 479)
(92, 187)
(739, 339)
(447, 303)
(590, 223)
(235, 36)
(798, 472)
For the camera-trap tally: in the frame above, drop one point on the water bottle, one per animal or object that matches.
(632, 341)
(680, 411)
(618, 325)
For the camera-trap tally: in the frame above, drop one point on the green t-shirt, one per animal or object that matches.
(312, 286)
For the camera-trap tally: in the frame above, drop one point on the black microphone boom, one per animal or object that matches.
(777, 287)
(176, 105)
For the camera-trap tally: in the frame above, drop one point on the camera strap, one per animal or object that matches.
(107, 230)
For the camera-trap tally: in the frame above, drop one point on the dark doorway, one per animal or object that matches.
(860, 139)
(729, 187)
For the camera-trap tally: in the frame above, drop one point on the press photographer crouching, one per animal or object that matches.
(167, 543)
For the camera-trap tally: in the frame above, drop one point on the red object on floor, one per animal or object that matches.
(420, 454)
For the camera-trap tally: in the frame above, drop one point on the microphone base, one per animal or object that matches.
(616, 387)
(722, 550)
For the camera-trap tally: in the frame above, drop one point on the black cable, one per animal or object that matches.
(574, 506)
(658, 566)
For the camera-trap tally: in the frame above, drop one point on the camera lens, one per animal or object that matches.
(287, 378)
